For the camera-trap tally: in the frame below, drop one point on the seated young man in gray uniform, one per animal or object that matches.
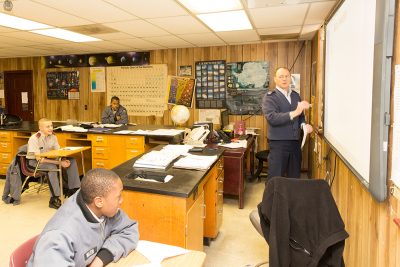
(89, 229)
(43, 141)
(114, 113)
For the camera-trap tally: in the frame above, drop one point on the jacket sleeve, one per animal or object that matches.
(275, 224)
(124, 116)
(272, 113)
(107, 116)
(123, 238)
(53, 248)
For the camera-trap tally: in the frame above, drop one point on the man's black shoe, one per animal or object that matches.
(54, 203)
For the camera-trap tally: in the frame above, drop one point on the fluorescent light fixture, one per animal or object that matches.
(66, 35)
(226, 21)
(211, 6)
(20, 24)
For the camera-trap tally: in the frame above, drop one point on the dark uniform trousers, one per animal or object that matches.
(284, 158)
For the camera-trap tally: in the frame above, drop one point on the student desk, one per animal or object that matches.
(192, 259)
(180, 212)
(107, 148)
(59, 154)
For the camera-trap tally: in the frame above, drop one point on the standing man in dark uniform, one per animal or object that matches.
(283, 110)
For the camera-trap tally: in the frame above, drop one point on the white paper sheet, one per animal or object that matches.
(157, 252)
(238, 144)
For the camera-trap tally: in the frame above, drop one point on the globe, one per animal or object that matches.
(180, 114)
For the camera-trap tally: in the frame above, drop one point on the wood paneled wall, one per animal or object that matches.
(278, 54)
(374, 237)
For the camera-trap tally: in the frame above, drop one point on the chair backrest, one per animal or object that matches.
(26, 170)
(21, 255)
(255, 220)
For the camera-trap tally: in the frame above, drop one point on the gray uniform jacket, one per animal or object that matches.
(13, 185)
(73, 237)
(108, 115)
(276, 109)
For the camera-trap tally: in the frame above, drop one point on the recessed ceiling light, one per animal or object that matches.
(66, 35)
(210, 6)
(226, 21)
(20, 24)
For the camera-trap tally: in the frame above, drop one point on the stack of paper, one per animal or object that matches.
(178, 149)
(195, 162)
(156, 159)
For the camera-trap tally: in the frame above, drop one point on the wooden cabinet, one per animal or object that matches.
(167, 219)
(5, 151)
(213, 193)
(109, 151)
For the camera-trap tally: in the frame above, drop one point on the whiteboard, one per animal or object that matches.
(357, 83)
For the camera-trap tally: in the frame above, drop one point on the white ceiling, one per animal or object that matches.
(137, 25)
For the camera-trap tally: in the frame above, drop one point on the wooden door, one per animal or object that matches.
(18, 87)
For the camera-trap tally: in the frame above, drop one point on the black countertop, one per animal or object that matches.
(32, 126)
(183, 184)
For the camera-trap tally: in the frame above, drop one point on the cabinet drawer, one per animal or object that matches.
(99, 152)
(3, 168)
(220, 165)
(131, 153)
(99, 140)
(5, 136)
(100, 163)
(134, 142)
(5, 147)
(5, 157)
(220, 181)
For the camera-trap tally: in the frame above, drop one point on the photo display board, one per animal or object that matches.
(141, 89)
(210, 84)
(63, 85)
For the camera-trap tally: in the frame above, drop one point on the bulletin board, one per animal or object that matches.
(180, 90)
(141, 89)
(63, 85)
(210, 84)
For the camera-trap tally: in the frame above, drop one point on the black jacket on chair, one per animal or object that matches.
(301, 223)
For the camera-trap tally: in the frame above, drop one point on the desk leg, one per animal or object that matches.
(61, 182)
(83, 163)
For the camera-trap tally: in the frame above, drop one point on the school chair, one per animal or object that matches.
(255, 220)
(20, 256)
(262, 157)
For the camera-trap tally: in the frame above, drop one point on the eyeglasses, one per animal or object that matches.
(284, 77)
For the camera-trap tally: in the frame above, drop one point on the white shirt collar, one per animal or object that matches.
(100, 220)
(283, 91)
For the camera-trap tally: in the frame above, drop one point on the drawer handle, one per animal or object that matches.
(99, 139)
(5, 156)
(204, 211)
(99, 164)
(220, 181)
(4, 145)
(100, 149)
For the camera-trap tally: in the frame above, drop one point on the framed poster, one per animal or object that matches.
(210, 84)
(63, 85)
(185, 71)
(247, 83)
(180, 90)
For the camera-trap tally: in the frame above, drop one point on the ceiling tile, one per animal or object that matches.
(38, 38)
(137, 28)
(139, 43)
(109, 45)
(180, 25)
(112, 36)
(203, 39)
(30, 10)
(169, 41)
(279, 30)
(8, 39)
(239, 36)
(93, 10)
(278, 16)
(150, 8)
(318, 12)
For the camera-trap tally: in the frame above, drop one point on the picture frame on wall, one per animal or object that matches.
(185, 71)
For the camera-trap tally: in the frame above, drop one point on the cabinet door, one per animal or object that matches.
(194, 225)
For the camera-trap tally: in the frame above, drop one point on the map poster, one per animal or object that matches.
(63, 85)
(210, 84)
(180, 90)
(247, 83)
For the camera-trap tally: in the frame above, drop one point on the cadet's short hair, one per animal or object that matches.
(97, 183)
(42, 120)
(114, 98)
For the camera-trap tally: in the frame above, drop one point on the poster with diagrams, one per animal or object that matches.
(180, 90)
(63, 85)
(247, 82)
(141, 89)
(210, 84)
(97, 79)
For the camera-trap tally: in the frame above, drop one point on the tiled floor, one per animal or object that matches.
(237, 245)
